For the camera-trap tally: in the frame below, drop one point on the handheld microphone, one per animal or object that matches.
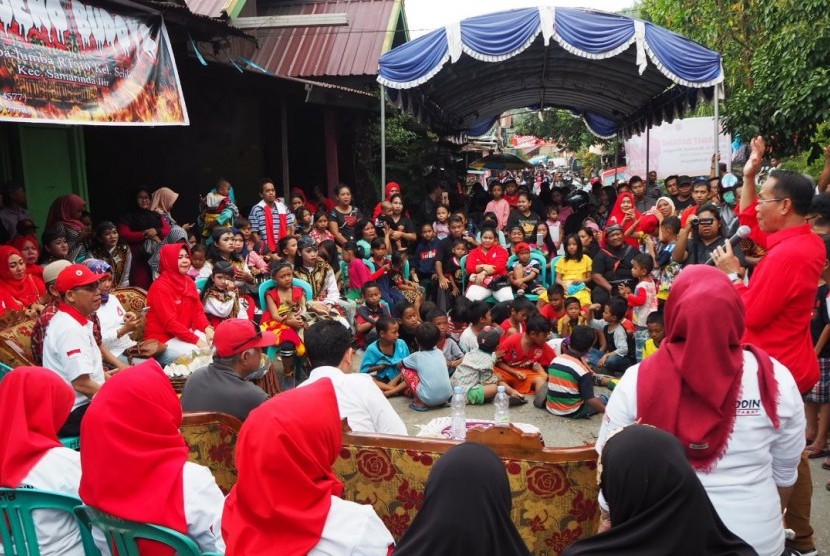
(740, 233)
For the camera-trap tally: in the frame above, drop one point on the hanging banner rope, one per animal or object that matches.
(67, 62)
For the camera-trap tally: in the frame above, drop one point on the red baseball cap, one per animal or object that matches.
(521, 247)
(76, 276)
(234, 336)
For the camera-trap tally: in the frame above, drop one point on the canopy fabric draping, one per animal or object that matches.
(620, 75)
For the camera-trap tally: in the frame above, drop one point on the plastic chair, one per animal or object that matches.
(201, 283)
(263, 291)
(17, 528)
(122, 534)
(71, 442)
(4, 370)
(543, 274)
(553, 262)
(463, 262)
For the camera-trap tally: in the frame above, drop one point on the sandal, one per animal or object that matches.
(813, 453)
(513, 401)
(418, 407)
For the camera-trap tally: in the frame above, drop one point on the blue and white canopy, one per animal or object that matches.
(621, 75)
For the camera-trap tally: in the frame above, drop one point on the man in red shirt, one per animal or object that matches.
(779, 300)
(524, 365)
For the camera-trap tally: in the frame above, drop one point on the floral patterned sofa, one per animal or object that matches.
(554, 489)
(16, 340)
(211, 438)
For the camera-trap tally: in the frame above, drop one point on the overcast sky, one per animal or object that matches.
(425, 15)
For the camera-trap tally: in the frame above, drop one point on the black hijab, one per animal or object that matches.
(139, 219)
(466, 508)
(658, 505)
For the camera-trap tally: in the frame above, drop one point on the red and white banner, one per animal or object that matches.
(67, 62)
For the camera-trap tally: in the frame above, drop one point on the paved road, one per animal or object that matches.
(567, 432)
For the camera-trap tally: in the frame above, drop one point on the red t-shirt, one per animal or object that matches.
(551, 315)
(516, 357)
(507, 324)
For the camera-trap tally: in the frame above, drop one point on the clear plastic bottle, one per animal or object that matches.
(502, 403)
(459, 419)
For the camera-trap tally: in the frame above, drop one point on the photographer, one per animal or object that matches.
(707, 237)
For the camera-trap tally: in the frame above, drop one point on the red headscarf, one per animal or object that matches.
(20, 242)
(690, 385)
(34, 404)
(169, 270)
(284, 456)
(391, 188)
(617, 216)
(62, 211)
(132, 454)
(17, 294)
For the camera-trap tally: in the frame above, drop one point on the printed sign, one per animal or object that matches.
(683, 147)
(63, 61)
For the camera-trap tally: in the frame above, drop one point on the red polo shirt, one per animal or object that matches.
(779, 301)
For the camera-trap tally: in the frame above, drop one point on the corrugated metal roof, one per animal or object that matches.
(209, 8)
(326, 51)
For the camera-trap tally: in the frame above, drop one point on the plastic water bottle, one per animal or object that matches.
(502, 403)
(459, 419)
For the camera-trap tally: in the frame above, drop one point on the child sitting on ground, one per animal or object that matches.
(425, 371)
(551, 304)
(643, 300)
(520, 309)
(220, 298)
(218, 209)
(382, 357)
(656, 333)
(573, 317)
(475, 374)
(457, 319)
(524, 365)
(408, 318)
(619, 348)
(525, 272)
(478, 315)
(284, 315)
(449, 347)
(368, 314)
(570, 386)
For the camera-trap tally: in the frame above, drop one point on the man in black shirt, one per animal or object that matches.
(683, 199)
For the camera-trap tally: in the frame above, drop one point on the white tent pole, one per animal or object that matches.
(717, 122)
(382, 137)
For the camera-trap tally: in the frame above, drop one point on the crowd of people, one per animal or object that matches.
(651, 289)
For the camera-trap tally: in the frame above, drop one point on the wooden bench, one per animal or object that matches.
(554, 490)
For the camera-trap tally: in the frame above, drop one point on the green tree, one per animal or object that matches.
(776, 57)
(559, 126)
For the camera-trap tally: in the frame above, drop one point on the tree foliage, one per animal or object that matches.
(776, 57)
(559, 126)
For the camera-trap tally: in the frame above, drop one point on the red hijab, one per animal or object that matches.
(391, 188)
(62, 211)
(17, 294)
(169, 271)
(284, 456)
(617, 215)
(34, 404)
(132, 454)
(20, 242)
(690, 385)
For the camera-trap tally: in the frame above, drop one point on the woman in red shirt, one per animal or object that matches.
(487, 270)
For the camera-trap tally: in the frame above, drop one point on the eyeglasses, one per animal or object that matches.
(257, 336)
(92, 288)
(762, 201)
(706, 221)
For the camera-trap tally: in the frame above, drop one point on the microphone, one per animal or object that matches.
(740, 233)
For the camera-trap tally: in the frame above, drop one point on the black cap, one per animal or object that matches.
(683, 179)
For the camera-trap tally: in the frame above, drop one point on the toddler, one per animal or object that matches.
(220, 298)
(525, 271)
(441, 226)
(643, 300)
(219, 209)
(475, 375)
(425, 371)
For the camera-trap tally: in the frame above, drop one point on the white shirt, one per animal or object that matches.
(203, 505)
(758, 458)
(70, 350)
(59, 470)
(111, 314)
(360, 401)
(468, 340)
(353, 529)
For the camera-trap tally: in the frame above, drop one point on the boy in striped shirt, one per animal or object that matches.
(571, 382)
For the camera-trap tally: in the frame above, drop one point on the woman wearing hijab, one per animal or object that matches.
(658, 506)
(134, 461)
(162, 202)
(624, 214)
(390, 189)
(176, 316)
(34, 404)
(65, 215)
(30, 249)
(737, 412)
(287, 495)
(143, 230)
(649, 222)
(19, 290)
(466, 509)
